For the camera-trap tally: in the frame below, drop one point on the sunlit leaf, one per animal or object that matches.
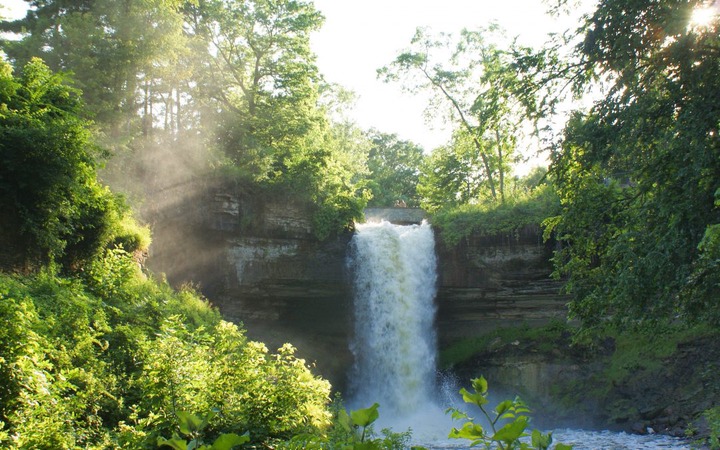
(228, 441)
(175, 442)
(503, 407)
(541, 441)
(470, 397)
(469, 431)
(364, 417)
(511, 432)
(189, 423)
(456, 414)
(480, 385)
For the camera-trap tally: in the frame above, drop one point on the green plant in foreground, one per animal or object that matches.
(713, 419)
(508, 423)
(353, 431)
(192, 426)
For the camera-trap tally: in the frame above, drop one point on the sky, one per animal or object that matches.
(361, 36)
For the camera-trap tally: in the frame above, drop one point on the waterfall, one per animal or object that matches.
(394, 343)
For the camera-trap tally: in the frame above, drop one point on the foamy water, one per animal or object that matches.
(394, 343)
(395, 349)
(584, 440)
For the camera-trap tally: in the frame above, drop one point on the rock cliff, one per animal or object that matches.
(258, 261)
(487, 282)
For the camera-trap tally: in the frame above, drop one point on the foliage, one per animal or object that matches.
(260, 73)
(637, 174)
(712, 415)
(394, 167)
(192, 427)
(353, 430)
(338, 188)
(485, 96)
(258, 69)
(54, 208)
(508, 422)
(233, 78)
(113, 360)
(118, 60)
(451, 176)
(528, 209)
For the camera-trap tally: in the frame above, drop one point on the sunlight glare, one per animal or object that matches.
(704, 16)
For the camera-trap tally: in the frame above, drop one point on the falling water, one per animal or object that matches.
(394, 269)
(394, 343)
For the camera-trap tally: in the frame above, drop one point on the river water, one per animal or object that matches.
(395, 350)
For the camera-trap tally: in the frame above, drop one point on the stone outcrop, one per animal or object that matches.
(488, 282)
(258, 261)
(582, 387)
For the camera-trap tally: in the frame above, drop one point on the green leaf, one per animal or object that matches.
(229, 440)
(563, 447)
(512, 431)
(344, 420)
(503, 407)
(541, 441)
(469, 431)
(471, 397)
(480, 385)
(190, 423)
(456, 414)
(364, 417)
(175, 442)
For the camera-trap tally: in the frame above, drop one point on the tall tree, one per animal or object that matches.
(116, 51)
(639, 174)
(394, 166)
(259, 69)
(479, 84)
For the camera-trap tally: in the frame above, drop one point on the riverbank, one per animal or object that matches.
(664, 381)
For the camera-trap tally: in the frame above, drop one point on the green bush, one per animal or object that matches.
(54, 208)
(111, 359)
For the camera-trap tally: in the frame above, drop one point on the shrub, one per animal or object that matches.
(111, 359)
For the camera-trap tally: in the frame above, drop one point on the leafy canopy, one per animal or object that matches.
(638, 174)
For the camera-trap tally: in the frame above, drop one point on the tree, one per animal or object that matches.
(487, 99)
(394, 167)
(259, 70)
(116, 50)
(639, 174)
(451, 176)
(53, 207)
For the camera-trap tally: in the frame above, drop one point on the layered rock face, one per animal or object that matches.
(488, 282)
(260, 264)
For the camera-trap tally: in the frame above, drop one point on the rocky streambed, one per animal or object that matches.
(625, 384)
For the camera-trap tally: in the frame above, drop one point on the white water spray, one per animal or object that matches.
(394, 269)
(395, 344)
